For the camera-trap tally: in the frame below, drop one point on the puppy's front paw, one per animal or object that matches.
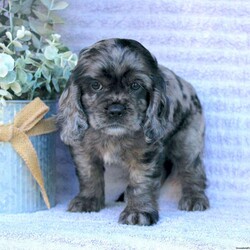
(83, 204)
(189, 203)
(135, 217)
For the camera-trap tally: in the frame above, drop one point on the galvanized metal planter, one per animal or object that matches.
(19, 192)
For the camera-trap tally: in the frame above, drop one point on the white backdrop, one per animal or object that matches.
(206, 42)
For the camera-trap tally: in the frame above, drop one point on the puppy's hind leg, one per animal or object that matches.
(193, 181)
(186, 153)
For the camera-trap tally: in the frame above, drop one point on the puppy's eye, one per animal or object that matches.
(96, 86)
(135, 86)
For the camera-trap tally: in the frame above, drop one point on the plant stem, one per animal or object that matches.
(48, 15)
(19, 14)
(11, 18)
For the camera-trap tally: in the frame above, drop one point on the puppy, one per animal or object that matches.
(121, 108)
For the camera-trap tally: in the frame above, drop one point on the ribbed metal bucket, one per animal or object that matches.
(19, 192)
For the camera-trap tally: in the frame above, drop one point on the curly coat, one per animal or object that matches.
(120, 107)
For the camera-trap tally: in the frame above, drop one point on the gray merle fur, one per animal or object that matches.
(122, 108)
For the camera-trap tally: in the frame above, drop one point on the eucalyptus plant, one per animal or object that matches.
(33, 60)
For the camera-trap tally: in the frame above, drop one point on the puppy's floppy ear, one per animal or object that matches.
(158, 121)
(71, 117)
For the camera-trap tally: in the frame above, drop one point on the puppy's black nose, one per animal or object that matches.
(116, 110)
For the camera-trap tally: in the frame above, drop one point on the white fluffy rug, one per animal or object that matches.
(224, 226)
(221, 227)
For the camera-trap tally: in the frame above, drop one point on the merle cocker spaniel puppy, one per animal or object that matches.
(120, 107)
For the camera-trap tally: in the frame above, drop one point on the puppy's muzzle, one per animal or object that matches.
(116, 110)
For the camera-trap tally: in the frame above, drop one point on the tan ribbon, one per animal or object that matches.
(29, 122)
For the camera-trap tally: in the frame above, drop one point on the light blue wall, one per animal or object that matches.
(205, 41)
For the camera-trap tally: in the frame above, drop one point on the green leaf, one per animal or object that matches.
(23, 34)
(5, 49)
(58, 72)
(42, 17)
(22, 76)
(48, 87)
(56, 19)
(17, 44)
(45, 72)
(7, 60)
(9, 78)
(50, 52)
(39, 28)
(20, 62)
(3, 71)
(29, 77)
(55, 84)
(3, 20)
(48, 80)
(66, 73)
(26, 38)
(5, 94)
(26, 7)
(36, 26)
(16, 88)
(46, 3)
(8, 34)
(18, 21)
(36, 42)
(33, 62)
(73, 61)
(20, 33)
(58, 61)
(56, 38)
(15, 7)
(59, 5)
(28, 86)
(2, 28)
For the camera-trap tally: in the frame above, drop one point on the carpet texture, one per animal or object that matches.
(207, 43)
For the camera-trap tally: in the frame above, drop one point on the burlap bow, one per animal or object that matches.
(28, 122)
